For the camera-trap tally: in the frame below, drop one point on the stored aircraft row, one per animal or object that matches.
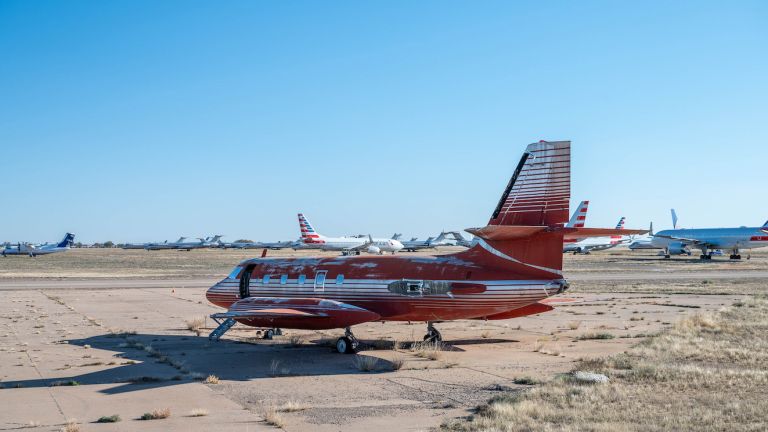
(33, 250)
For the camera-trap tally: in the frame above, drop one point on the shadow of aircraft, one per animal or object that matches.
(144, 361)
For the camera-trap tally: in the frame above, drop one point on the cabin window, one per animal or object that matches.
(283, 279)
(339, 279)
(302, 279)
(265, 279)
(234, 273)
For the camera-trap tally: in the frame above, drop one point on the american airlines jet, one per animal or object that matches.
(311, 239)
(35, 250)
(709, 239)
(590, 244)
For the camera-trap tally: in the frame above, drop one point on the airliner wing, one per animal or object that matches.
(685, 240)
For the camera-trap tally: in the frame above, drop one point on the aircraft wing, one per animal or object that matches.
(362, 246)
(301, 313)
(688, 241)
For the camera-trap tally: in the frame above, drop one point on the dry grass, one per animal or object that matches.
(211, 379)
(296, 340)
(365, 363)
(292, 406)
(428, 350)
(397, 362)
(273, 417)
(71, 426)
(592, 336)
(707, 373)
(198, 412)
(573, 325)
(156, 414)
(195, 325)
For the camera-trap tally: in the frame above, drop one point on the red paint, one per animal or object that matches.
(522, 242)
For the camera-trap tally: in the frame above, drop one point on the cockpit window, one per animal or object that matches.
(235, 273)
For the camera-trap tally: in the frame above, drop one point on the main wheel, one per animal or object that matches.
(738, 257)
(433, 336)
(344, 345)
(269, 334)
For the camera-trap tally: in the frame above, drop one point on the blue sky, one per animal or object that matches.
(139, 121)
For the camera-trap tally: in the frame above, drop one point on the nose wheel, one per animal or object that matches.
(432, 334)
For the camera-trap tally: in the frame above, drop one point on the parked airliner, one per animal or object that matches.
(347, 245)
(35, 250)
(513, 269)
(587, 245)
(709, 239)
(415, 244)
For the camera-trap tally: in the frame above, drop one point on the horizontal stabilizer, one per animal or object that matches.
(505, 232)
(573, 233)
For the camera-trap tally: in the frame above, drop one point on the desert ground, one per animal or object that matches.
(119, 335)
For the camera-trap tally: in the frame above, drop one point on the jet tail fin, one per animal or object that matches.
(674, 218)
(67, 241)
(765, 225)
(308, 234)
(650, 230)
(527, 226)
(579, 216)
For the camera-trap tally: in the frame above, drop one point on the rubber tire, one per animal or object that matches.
(433, 337)
(344, 345)
(269, 334)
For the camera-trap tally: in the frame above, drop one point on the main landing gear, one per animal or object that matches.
(735, 255)
(347, 344)
(432, 334)
(270, 333)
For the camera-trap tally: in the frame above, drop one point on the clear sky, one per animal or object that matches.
(143, 121)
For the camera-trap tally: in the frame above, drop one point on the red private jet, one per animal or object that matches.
(513, 267)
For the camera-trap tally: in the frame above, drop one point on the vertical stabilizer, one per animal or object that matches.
(308, 234)
(525, 229)
(579, 216)
(67, 241)
(674, 218)
(540, 188)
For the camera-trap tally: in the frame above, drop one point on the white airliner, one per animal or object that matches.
(415, 244)
(347, 245)
(710, 239)
(180, 244)
(590, 244)
(643, 242)
(35, 250)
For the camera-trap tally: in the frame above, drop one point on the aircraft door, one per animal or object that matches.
(320, 280)
(245, 282)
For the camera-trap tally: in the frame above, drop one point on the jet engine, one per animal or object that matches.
(678, 248)
(374, 250)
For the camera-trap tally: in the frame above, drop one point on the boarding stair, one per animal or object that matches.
(224, 326)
